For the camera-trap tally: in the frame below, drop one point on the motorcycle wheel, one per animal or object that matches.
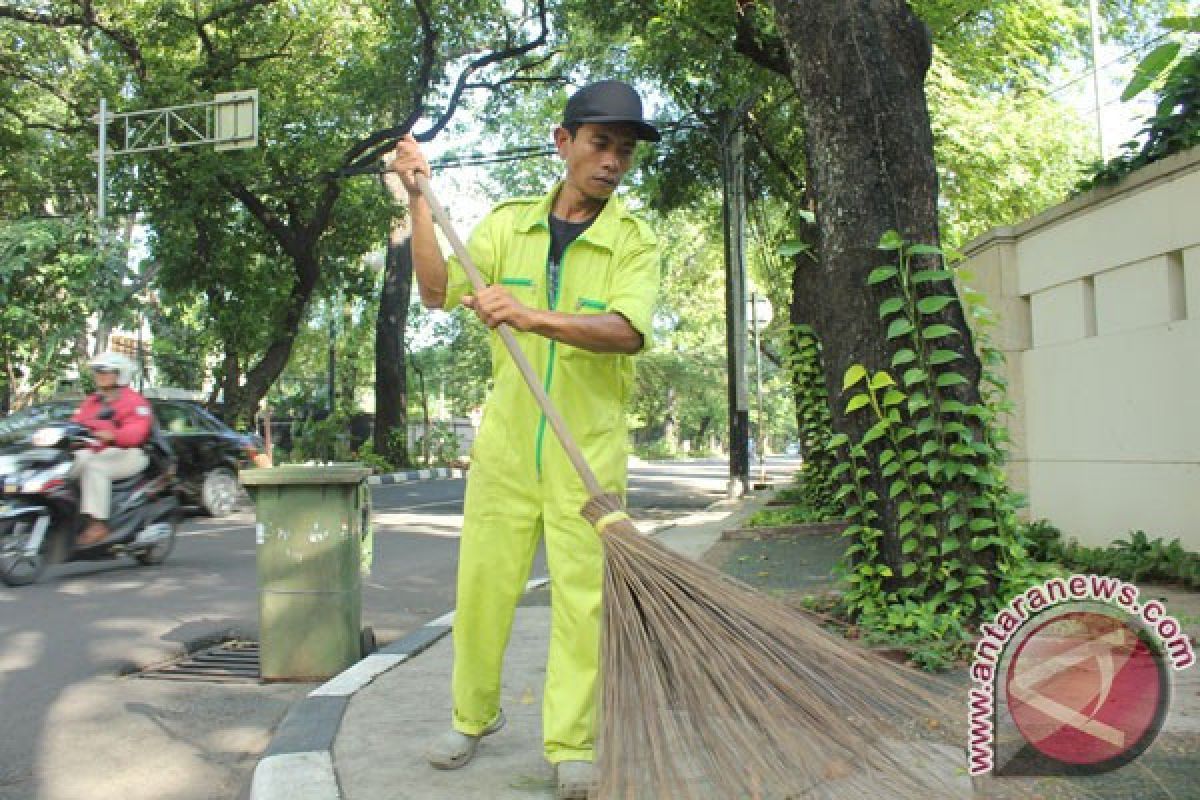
(17, 568)
(158, 552)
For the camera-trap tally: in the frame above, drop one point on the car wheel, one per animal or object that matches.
(219, 494)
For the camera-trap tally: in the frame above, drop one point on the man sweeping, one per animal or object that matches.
(575, 275)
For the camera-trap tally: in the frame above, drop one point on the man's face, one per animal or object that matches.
(105, 378)
(597, 157)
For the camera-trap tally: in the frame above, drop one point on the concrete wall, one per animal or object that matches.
(1099, 304)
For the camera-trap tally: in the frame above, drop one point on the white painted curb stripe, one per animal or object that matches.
(358, 676)
(444, 619)
(295, 776)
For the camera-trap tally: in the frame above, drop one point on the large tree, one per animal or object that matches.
(337, 85)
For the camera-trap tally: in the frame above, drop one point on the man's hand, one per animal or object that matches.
(495, 305)
(407, 161)
(106, 436)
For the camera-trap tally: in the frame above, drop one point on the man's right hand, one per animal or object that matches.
(407, 161)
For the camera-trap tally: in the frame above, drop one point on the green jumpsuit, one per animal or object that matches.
(521, 484)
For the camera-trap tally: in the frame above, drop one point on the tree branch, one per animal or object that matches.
(756, 45)
(233, 9)
(370, 149)
(88, 20)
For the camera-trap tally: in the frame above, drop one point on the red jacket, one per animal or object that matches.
(130, 422)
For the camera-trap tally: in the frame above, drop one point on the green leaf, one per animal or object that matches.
(931, 275)
(890, 240)
(892, 398)
(1150, 68)
(793, 247)
(973, 581)
(881, 274)
(881, 380)
(876, 431)
(950, 379)
(890, 306)
(1181, 24)
(858, 401)
(884, 570)
(914, 376)
(838, 439)
(950, 545)
(903, 357)
(982, 524)
(924, 250)
(909, 567)
(932, 305)
(897, 488)
(939, 331)
(904, 509)
(853, 375)
(891, 469)
(937, 358)
(899, 327)
(928, 449)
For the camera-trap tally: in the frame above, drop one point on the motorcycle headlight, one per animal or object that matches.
(47, 437)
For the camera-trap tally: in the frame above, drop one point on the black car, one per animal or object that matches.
(209, 452)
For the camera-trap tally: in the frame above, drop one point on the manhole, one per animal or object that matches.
(228, 662)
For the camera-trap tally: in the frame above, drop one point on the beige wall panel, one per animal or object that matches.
(1059, 314)
(1133, 296)
(1191, 281)
(1098, 503)
(1148, 221)
(1127, 397)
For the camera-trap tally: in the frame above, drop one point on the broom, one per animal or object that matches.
(713, 690)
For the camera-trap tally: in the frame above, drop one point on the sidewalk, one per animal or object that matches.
(362, 735)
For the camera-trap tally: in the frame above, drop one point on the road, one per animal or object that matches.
(76, 723)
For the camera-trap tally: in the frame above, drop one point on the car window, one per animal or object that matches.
(174, 419)
(206, 421)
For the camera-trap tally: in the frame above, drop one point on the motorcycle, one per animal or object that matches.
(40, 519)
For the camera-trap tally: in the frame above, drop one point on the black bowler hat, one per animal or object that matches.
(609, 101)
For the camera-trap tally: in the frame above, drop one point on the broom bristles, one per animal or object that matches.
(713, 690)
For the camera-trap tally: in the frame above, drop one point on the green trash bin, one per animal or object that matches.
(310, 522)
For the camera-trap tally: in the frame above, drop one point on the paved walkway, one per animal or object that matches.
(362, 736)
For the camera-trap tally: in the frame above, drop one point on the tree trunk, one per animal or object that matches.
(391, 374)
(263, 375)
(858, 67)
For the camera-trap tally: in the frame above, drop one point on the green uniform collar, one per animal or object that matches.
(602, 233)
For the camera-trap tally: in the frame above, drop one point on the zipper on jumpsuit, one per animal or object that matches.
(541, 430)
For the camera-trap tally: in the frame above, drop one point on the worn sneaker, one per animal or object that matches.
(575, 780)
(453, 749)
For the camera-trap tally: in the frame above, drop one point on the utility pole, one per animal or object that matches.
(733, 213)
(1094, 20)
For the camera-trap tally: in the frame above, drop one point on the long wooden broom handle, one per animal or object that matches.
(506, 335)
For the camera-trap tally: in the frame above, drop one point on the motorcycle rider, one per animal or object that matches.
(120, 419)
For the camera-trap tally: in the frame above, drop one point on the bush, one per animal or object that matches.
(321, 440)
(1136, 558)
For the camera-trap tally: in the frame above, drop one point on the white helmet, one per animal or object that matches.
(115, 362)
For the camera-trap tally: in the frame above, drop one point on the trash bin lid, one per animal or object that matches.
(352, 472)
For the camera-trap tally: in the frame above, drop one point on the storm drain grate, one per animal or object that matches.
(228, 662)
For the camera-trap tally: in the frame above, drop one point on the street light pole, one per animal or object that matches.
(761, 437)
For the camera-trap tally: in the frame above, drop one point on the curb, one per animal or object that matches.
(298, 764)
(438, 473)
